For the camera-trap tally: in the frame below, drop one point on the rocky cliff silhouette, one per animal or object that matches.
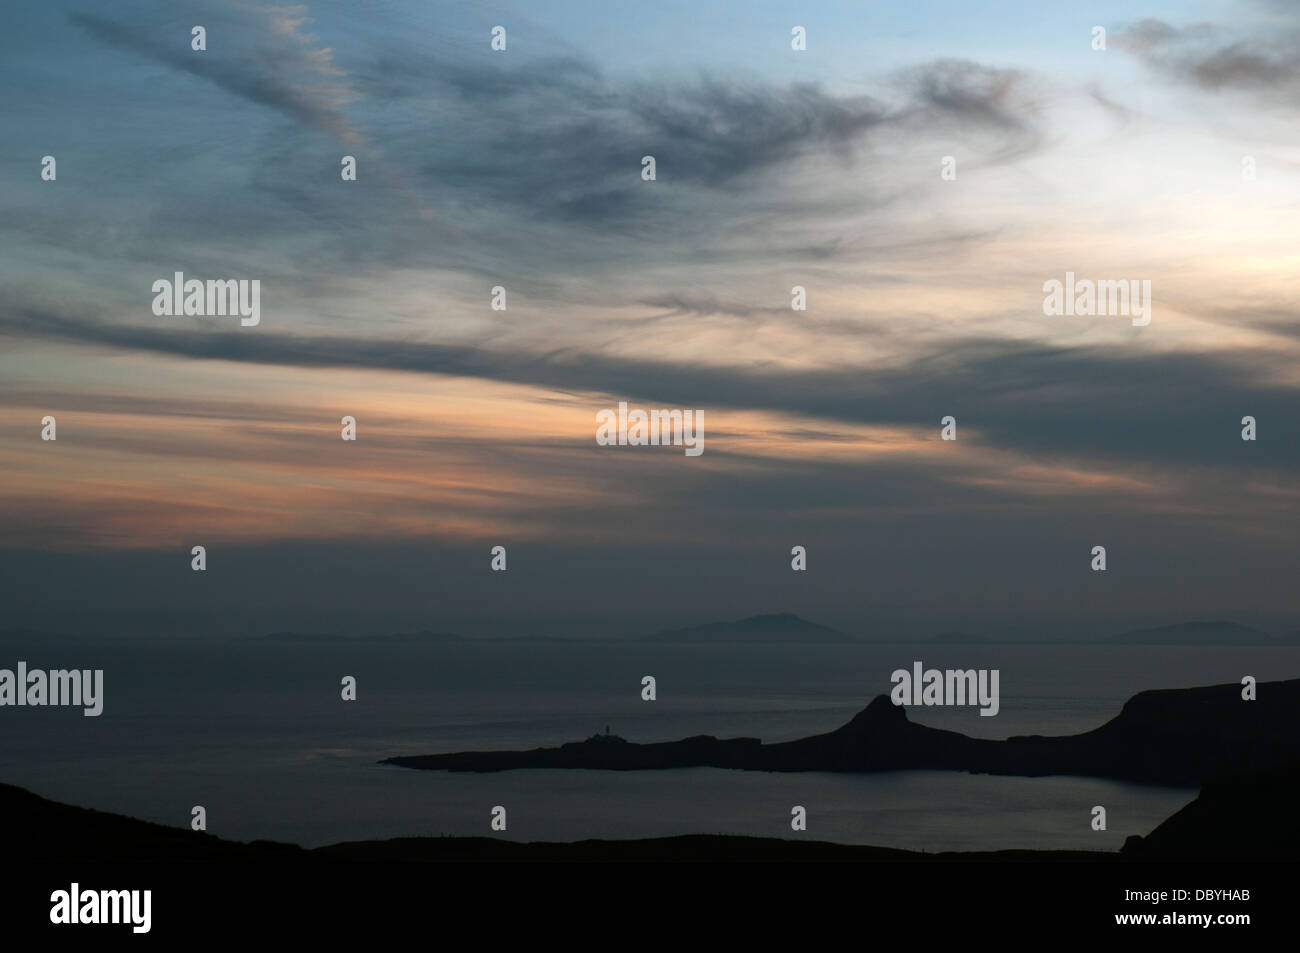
(1174, 736)
(1242, 815)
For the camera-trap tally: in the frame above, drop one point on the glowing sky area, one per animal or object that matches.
(775, 168)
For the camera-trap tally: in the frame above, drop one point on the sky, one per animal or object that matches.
(775, 168)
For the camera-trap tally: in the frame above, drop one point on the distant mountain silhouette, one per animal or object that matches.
(424, 635)
(303, 637)
(781, 627)
(20, 633)
(959, 638)
(1196, 633)
(1173, 736)
(777, 627)
(421, 636)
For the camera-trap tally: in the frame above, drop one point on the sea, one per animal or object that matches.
(257, 733)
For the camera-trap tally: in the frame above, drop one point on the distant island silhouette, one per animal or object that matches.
(1197, 633)
(777, 628)
(421, 636)
(959, 638)
(1171, 737)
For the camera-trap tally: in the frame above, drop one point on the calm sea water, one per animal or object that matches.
(257, 734)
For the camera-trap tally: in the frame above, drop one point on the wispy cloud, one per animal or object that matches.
(261, 55)
(1022, 396)
(1261, 60)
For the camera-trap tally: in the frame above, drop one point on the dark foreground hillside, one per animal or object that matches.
(1240, 818)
